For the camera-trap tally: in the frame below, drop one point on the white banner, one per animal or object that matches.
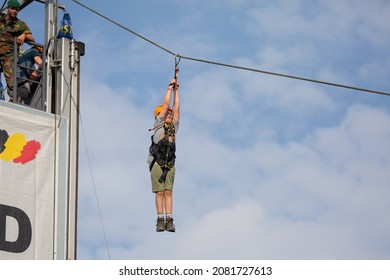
(27, 152)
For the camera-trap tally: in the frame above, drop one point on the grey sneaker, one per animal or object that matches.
(160, 226)
(169, 225)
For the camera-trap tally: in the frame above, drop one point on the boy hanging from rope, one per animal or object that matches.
(162, 156)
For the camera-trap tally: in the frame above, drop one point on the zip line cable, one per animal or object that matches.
(230, 65)
(286, 76)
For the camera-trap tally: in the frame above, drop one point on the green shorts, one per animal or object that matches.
(155, 176)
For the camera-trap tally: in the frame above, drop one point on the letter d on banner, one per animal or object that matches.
(23, 241)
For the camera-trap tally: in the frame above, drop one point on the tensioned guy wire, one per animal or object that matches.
(230, 65)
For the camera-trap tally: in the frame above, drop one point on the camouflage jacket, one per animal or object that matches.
(8, 30)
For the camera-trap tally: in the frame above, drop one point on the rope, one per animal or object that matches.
(95, 191)
(73, 103)
(177, 56)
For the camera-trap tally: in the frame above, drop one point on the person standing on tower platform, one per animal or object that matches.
(162, 156)
(29, 72)
(11, 27)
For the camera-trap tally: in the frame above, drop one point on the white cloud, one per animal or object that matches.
(268, 201)
(267, 168)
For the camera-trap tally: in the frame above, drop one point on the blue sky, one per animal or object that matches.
(267, 167)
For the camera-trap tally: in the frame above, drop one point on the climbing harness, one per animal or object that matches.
(164, 152)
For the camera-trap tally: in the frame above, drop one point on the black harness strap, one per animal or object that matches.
(164, 151)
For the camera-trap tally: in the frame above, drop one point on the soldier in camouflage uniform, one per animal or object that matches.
(10, 27)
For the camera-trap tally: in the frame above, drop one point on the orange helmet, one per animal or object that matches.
(158, 109)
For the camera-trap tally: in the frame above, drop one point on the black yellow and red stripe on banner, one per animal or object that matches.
(17, 148)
